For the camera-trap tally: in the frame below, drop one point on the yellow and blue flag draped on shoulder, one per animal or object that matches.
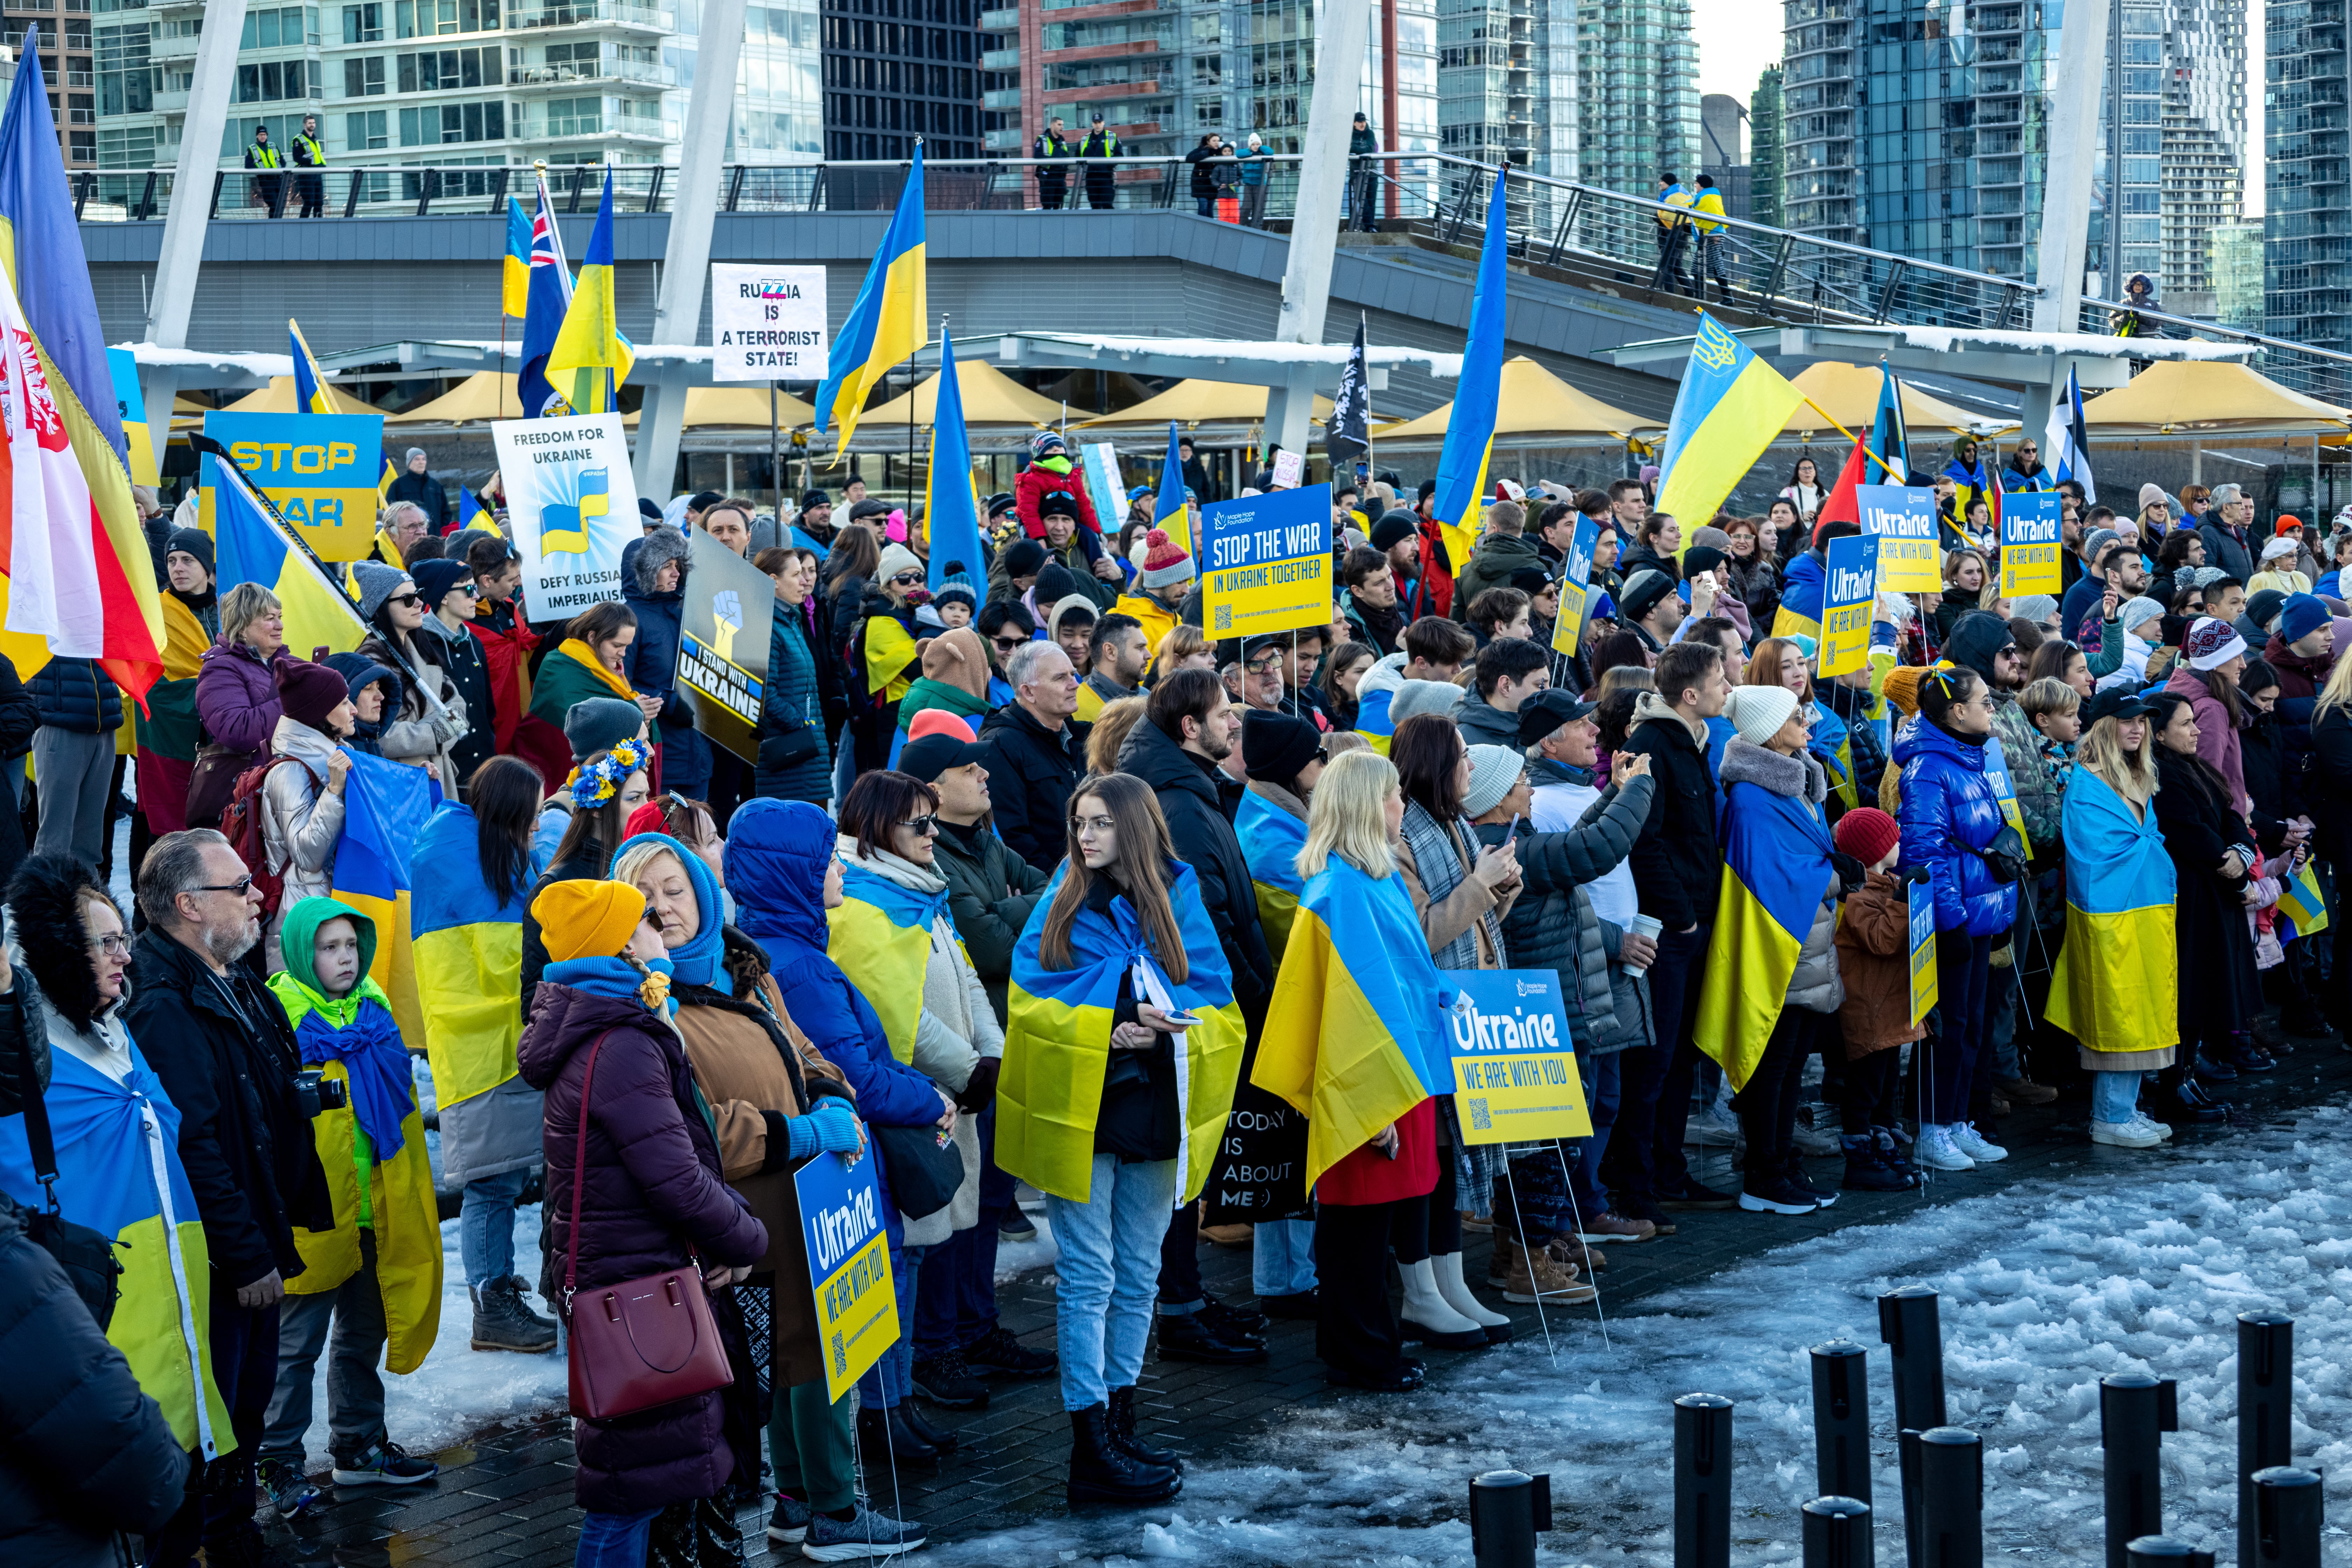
(385, 805)
(467, 950)
(1776, 868)
(253, 546)
(1352, 1046)
(889, 655)
(2116, 987)
(1057, 1040)
(1373, 721)
(310, 392)
(1477, 395)
(590, 346)
(1731, 407)
(119, 1172)
(1271, 839)
(950, 510)
(1806, 590)
(1832, 747)
(1169, 510)
(2302, 912)
(888, 320)
(514, 275)
(881, 937)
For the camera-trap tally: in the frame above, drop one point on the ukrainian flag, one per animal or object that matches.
(1832, 747)
(1806, 590)
(119, 1172)
(2302, 912)
(253, 546)
(514, 283)
(310, 392)
(473, 514)
(590, 345)
(385, 805)
(1057, 1040)
(1353, 1048)
(881, 937)
(2116, 986)
(1731, 407)
(1470, 428)
(1168, 509)
(469, 959)
(889, 653)
(1373, 720)
(950, 511)
(1271, 839)
(1776, 862)
(887, 322)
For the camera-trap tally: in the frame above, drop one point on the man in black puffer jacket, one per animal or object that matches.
(73, 755)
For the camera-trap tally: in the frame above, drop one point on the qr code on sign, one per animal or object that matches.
(1224, 617)
(1479, 1121)
(840, 1357)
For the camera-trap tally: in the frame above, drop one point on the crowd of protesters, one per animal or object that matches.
(1096, 830)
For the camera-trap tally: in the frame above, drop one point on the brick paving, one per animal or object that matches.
(506, 1499)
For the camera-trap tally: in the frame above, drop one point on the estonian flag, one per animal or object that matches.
(2067, 444)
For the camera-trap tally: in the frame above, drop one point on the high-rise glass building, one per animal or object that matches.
(1637, 92)
(2307, 257)
(66, 68)
(1767, 154)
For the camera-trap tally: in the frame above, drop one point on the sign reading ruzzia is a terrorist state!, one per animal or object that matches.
(767, 324)
(1266, 562)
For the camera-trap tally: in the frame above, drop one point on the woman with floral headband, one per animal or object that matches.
(604, 790)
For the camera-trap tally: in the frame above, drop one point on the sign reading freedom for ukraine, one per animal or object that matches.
(1575, 587)
(1903, 521)
(319, 470)
(849, 1265)
(572, 506)
(2029, 544)
(1266, 562)
(1922, 948)
(722, 644)
(1515, 1077)
(767, 324)
(1849, 597)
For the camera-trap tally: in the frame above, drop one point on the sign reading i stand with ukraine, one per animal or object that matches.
(1903, 520)
(1849, 598)
(1266, 562)
(1575, 587)
(2029, 544)
(849, 1265)
(1923, 948)
(1515, 1078)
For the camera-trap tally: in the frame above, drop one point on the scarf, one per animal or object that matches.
(697, 961)
(1436, 853)
(585, 656)
(383, 1083)
(615, 976)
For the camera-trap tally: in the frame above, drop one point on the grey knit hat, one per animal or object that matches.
(377, 583)
(1492, 771)
(2136, 613)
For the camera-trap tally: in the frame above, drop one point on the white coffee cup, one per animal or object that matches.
(1641, 925)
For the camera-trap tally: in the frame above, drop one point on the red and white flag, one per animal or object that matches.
(53, 587)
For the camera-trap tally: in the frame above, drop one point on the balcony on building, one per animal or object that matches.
(602, 16)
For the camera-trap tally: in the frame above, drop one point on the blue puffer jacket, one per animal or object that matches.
(75, 694)
(790, 701)
(1946, 795)
(652, 666)
(775, 860)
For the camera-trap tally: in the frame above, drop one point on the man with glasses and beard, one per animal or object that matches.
(228, 1060)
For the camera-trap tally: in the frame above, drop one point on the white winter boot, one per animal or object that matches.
(1428, 1318)
(1457, 1291)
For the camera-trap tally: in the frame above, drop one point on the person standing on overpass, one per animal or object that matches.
(311, 153)
(1100, 146)
(1053, 178)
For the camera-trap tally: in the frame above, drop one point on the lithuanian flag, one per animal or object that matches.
(1057, 1040)
(1271, 839)
(468, 959)
(385, 807)
(1775, 865)
(881, 937)
(1353, 1046)
(2116, 987)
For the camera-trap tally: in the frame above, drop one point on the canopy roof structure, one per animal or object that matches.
(1201, 402)
(2193, 397)
(482, 396)
(999, 413)
(277, 397)
(1849, 395)
(1536, 406)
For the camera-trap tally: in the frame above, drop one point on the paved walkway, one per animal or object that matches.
(507, 1499)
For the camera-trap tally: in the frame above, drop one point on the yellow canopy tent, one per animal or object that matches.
(482, 396)
(998, 410)
(1203, 402)
(1849, 395)
(1535, 407)
(2192, 397)
(744, 405)
(277, 397)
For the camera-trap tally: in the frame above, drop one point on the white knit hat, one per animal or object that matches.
(1759, 711)
(896, 558)
(1492, 771)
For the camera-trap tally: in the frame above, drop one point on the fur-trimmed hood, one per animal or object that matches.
(1799, 777)
(655, 550)
(44, 897)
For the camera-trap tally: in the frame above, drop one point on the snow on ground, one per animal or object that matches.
(2140, 1265)
(1014, 1258)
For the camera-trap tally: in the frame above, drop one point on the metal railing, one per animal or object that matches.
(2323, 373)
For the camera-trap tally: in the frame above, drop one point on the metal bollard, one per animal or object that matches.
(1507, 1510)
(1908, 1325)
(1837, 1533)
(2135, 1410)
(1842, 1420)
(1702, 1481)
(2288, 1505)
(1951, 1499)
(2163, 1552)
(2265, 1410)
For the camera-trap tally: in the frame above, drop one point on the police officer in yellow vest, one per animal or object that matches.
(309, 153)
(1674, 235)
(1099, 146)
(270, 187)
(1714, 238)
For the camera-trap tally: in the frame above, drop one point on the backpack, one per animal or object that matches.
(240, 823)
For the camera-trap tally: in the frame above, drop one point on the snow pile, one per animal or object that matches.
(2091, 345)
(2137, 1262)
(1014, 1258)
(1254, 351)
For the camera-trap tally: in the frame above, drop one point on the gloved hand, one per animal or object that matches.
(831, 1127)
(980, 1089)
(836, 1127)
(1919, 874)
(1850, 872)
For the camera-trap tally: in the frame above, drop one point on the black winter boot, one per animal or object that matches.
(1122, 1432)
(1100, 1471)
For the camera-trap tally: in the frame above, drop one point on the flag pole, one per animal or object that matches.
(775, 460)
(1851, 437)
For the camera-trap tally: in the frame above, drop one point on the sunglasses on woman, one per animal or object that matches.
(906, 579)
(926, 827)
(405, 600)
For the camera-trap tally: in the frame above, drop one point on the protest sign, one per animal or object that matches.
(767, 324)
(2029, 544)
(2004, 789)
(1515, 1076)
(1903, 520)
(1848, 599)
(319, 470)
(1575, 587)
(1922, 948)
(722, 644)
(572, 506)
(1266, 562)
(1289, 468)
(849, 1265)
(1105, 489)
(130, 407)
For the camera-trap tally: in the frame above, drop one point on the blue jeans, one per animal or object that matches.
(1206, 206)
(1604, 1084)
(2113, 1096)
(1110, 1272)
(486, 1225)
(615, 1539)
(1281, 1256)
(889, 1380)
